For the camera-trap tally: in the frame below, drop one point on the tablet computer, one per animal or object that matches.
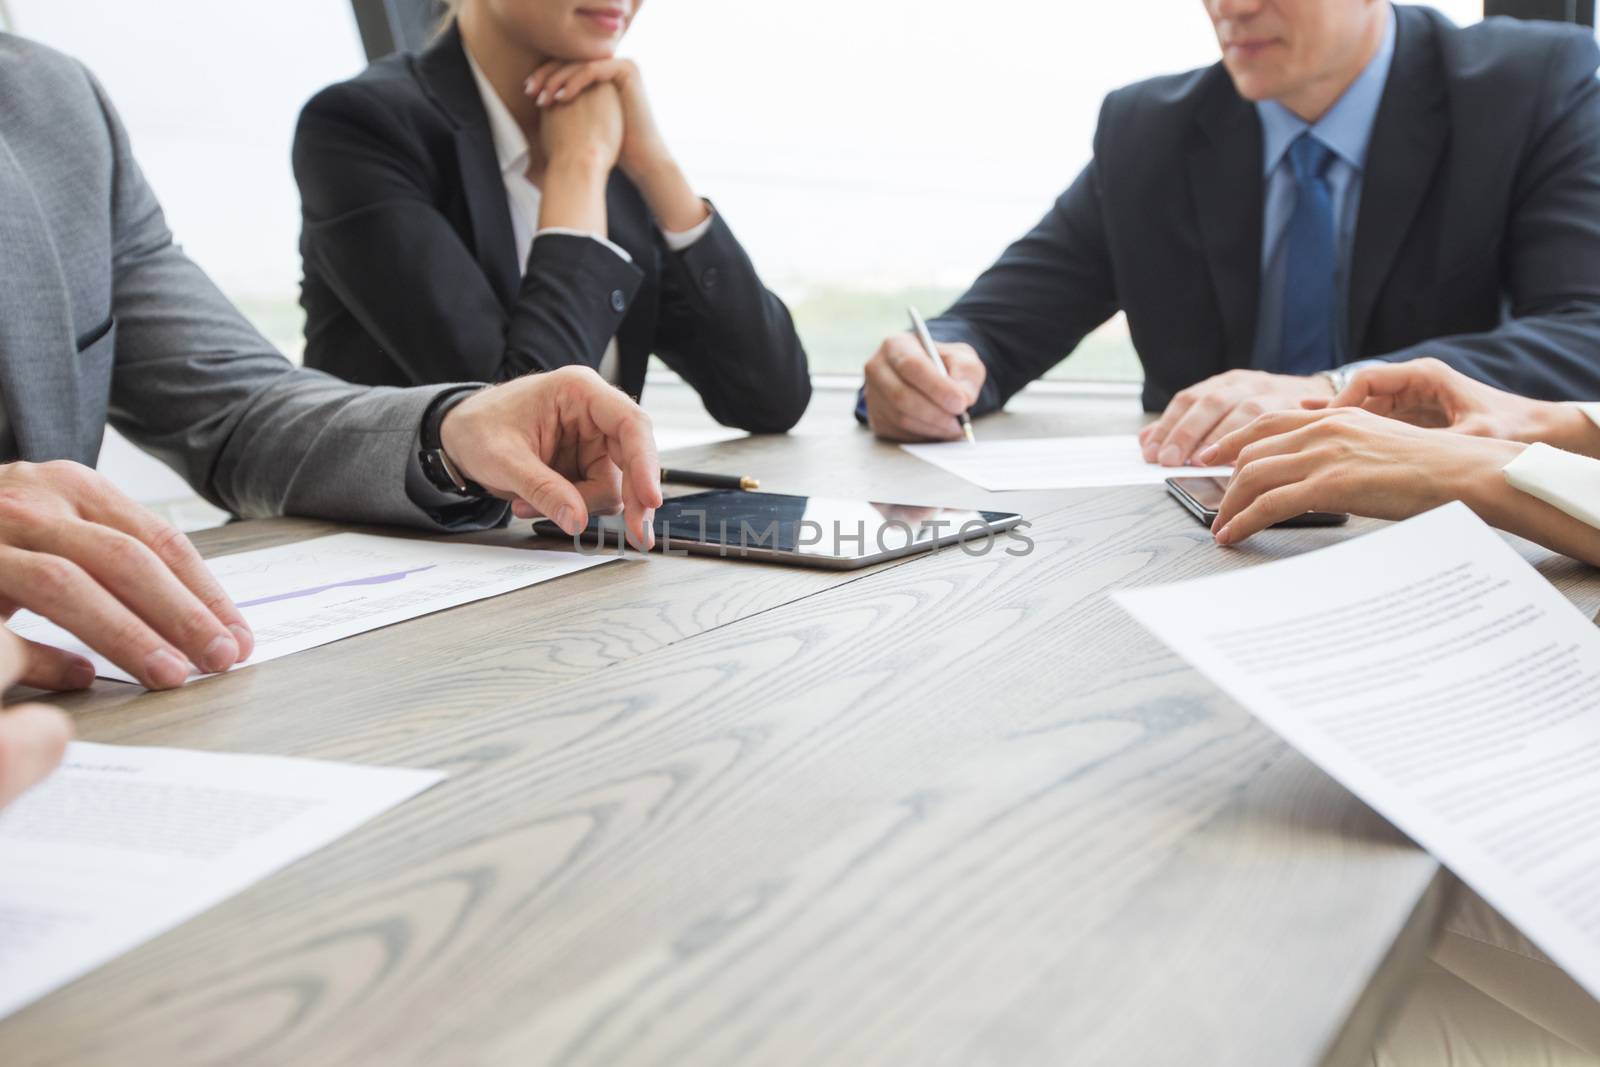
(813, 531)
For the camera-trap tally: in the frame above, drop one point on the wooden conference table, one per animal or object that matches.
(951, 809)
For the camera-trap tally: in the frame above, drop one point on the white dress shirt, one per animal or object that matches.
(1564, 480)
(523, 198)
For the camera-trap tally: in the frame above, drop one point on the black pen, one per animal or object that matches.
(710, 481)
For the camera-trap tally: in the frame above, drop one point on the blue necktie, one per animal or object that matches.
(1310, 286)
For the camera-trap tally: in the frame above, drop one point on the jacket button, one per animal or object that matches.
(710, 277)
(619, 303)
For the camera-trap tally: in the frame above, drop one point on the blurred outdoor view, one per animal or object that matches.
(869, 153)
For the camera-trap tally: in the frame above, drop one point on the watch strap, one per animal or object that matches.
(441, 473)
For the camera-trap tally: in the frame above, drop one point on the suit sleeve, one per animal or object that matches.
(196, 386)
(730, 338)
(1549, 346)
(373, 232)
(1042, 297)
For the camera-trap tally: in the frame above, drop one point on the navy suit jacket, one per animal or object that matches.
(1478, 240)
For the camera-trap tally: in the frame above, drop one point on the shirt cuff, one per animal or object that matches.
(1590, 409)
(565, 232)
(677, 242)
(1564, 480)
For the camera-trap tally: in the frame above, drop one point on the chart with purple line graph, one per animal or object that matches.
(299, 596)
(341, 565)
(349, 583)
(295, 581)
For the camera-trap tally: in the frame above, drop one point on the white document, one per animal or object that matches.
(1440, 678)
(309, 593)
(670, 439)
(122, 844)
(1054, 463)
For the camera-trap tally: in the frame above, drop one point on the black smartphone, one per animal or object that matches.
(1202, 497)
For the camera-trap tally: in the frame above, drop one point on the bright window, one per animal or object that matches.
(209, 91)
(869, 154)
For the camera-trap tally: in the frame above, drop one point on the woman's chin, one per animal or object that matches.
(583, 51)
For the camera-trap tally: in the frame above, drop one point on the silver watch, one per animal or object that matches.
(1339, 377)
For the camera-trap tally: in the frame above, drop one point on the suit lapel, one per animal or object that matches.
(634, 231)
(39, 384)
(1225, 180)
(492, 235)
(443, 72)
(1408, 143)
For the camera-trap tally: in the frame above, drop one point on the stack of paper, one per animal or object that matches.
(122, 844)
(1436, 675)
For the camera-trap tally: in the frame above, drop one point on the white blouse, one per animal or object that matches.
(523, 198)
(1564, 480)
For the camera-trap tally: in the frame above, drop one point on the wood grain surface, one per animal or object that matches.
(951, 810)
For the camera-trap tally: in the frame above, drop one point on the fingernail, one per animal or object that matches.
(527, 85)
(244, 639)
(165, 670)
(567, 519)
(544, 98)
(1209, 454)
(219, 655)
(1171, 456)
(1222, 536)
(561, 94)
(80, 675)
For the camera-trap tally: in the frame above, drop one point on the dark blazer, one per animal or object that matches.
(411, 273)
(1478, 240)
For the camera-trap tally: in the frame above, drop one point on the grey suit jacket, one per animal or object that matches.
(104, 319)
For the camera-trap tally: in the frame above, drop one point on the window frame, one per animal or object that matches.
(390, 25)
(1579, 11)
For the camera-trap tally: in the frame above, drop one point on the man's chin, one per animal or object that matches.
(1256, 86)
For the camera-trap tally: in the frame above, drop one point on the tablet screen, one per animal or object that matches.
(739, 523)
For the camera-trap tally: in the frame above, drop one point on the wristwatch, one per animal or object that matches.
(1339, 377)
(436, 466)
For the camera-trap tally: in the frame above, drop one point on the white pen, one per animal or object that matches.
(920, 328)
